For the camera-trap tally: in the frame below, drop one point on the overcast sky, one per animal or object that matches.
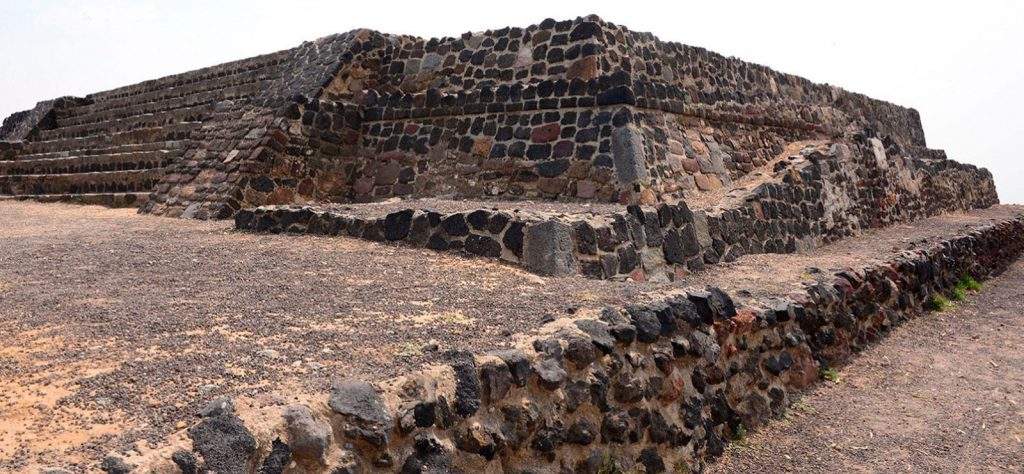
(961, 64)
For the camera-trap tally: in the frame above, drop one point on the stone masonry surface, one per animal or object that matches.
(822, 193)
(575, 110)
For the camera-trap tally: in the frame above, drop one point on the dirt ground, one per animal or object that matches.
(119, 326)
(943, 393)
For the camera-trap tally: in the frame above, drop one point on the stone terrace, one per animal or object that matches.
(123, 325)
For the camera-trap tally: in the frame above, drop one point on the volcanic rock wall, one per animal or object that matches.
(825, 192)
(660, 386)
(581, 110)
(564, 110)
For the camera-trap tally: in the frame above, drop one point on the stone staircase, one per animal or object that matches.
(112, 147)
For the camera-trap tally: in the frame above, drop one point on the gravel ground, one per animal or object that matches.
(120, 325)
(943, 393)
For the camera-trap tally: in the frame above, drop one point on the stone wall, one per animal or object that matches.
(575, 110)
(240, 142)
(819, 195)
(661, 386)
(532, 113)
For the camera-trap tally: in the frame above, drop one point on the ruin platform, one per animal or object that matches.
(123, 326)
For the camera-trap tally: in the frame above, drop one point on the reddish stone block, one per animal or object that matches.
(546, 133)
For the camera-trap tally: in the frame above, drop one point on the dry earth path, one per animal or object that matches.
(943, 393)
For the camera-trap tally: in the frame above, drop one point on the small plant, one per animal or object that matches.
(937, 302)
(830, 374)
(968, 283)
(739, 435)
(958, 294)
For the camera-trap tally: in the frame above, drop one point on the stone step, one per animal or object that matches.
(201, 75)
(187, 114)
(166, 145)
(90, 163)
(100, 199)
(80, 183)
(171, 132)
(76, 116)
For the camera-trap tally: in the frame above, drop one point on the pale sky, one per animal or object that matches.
(961, 64)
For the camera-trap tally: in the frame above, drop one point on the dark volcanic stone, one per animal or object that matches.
(483, 246)
(576, 393)
(455, 225)
(585, 30)
(703, 345)
(651, 460)
(513, 238)
(780, 364)
(220, 406)
(278, 459)
(359, 400)
(648, 326)
(478, 219)
(581, 351)
(723, 303)
(467, 385)
(518, 365)
(615, 427)
(617, 95)
(307, 438)
(598, 332)
(624, 333)
(397, 225)
(115, 465)
(424, 413)
(552, 168)
(430, 457)
(185, 461)
(548, 438)
(262, 184)
(497, 380)
(224, 443)
(673, 247)
(550, 372)
(583, 432)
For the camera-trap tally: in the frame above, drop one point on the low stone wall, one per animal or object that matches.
(540, 242)
(823, 194)
(660, 387)
(104, 199)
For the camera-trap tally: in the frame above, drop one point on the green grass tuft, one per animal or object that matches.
(937, 302)
(830, 374)
(958, 294)
(968, 283)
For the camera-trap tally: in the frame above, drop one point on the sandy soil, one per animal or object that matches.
(943, 393)
(119, 326)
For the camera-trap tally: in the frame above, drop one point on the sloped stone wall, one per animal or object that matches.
(221, 171)
(660, 386)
